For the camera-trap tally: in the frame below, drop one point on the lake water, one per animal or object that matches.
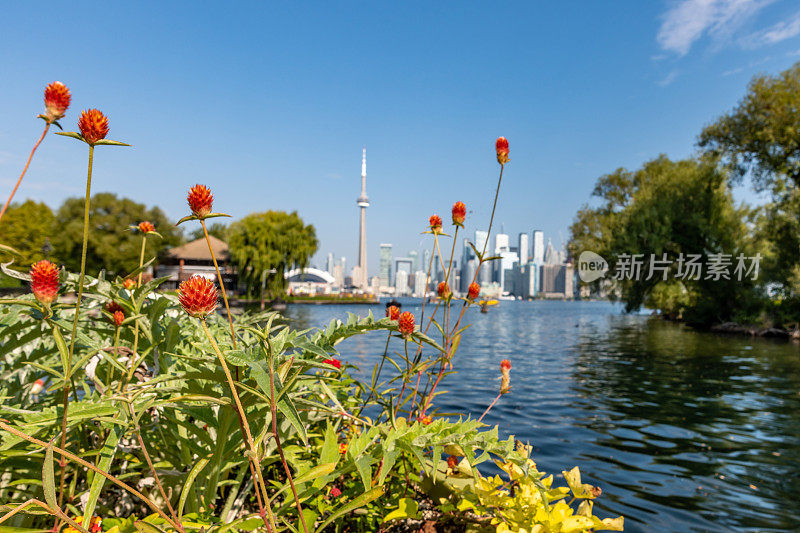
(683, 431)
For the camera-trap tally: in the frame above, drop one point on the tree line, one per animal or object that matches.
(262, 245)
(680, 209)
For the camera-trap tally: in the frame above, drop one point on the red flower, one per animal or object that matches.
(333, 362)
(56, 99)
(405, 323)
(129, 283)
(342, 447)
(501, 145)
(37, 387)
(459, 213)
(198, 296)
(393, 312)
(452, 461)
(146, 227)
(505, 376)
(93, 125)
(44, 281)
(474, 291)
(435, 223)
(200, 201)
(444, 290)
(335, 492)
(119, 318)
(425, 420)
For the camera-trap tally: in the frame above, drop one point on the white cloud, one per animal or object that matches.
(669, 78)
(779, 32)
(689, 20)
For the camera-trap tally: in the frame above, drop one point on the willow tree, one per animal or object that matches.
(265, 246)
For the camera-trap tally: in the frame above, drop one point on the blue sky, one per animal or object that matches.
(270, 104)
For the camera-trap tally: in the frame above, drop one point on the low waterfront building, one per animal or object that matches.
(309, 282)
(193, 258)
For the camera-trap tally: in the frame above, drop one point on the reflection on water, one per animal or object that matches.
(684, 431)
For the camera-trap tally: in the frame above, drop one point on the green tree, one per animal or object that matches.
(266, 245)
(112, 244)
(673, 208)
(27, 227)
(760, 138)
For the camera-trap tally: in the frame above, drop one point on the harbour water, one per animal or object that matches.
(683, 431)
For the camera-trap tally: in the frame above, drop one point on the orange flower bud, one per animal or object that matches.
(146, 227)
(393, 312)
(459, 213)
(342, 447)
(452, 461)
(119, 318)
(129, 283)
(435, 223)
(405, 323)
(56, 99)
(501, 145)
(425, 420)
(444, 290)
(44, 281)
(200, 201)
(198, 296)
(93, 125)
(37, 387)
(505, 376)
(473, 291)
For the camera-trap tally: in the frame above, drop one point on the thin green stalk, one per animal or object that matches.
(377, 377)
(221, 283)
(110, 376)
(274, 408)
(67, 370)
(248, 436)
(138, 284)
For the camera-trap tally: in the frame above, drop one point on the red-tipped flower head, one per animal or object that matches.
(405, 323)
(459, 213)
(112, 307)
(37, 386)
(44, 281)
(200, 201)
(93, 125)
(474, 291)
(56, 99)
(501, 145)
(335, 492)
(425, 420)
(435, 223)
(146, 227)
(505, 376)
(129, 283)
(333, 362)
(119, 318)
(444, 290)
(198, 296)
(393, 312)
(452, 462)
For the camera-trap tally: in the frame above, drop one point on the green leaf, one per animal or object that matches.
(407, 508)
(196, 469)
(109, 142)
(106, 456)
(49, 478)
(73, 134)
(361, 501)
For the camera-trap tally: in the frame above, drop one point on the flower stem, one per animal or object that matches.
(490, 406)
(136, 323)
(24, 170)
(91, 467)
(274, 409)
(67, 370)
(221, 283)
(248, 436)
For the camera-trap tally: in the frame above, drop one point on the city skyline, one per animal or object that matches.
(578, 91)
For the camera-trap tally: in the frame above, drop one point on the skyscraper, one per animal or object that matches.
(538, 247)
(329, 265)
(522, 248)
(385, 265)
(363, 204)
(414, 256)
(480, 240)
(501, 243)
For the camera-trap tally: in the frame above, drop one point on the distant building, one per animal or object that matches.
(526, 280)
(538, 247)
(385, 265)
(557, 281)
(480, 240)
(401, 283)
(330, 264)
(522, 248)
(420, 278)
(338, 276)
(501, 243)
(375, 285)
(308, 281)
(403, 264)
(551, 255)
(183, 262)
(414, 256)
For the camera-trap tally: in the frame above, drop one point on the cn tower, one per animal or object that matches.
(363, 204)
